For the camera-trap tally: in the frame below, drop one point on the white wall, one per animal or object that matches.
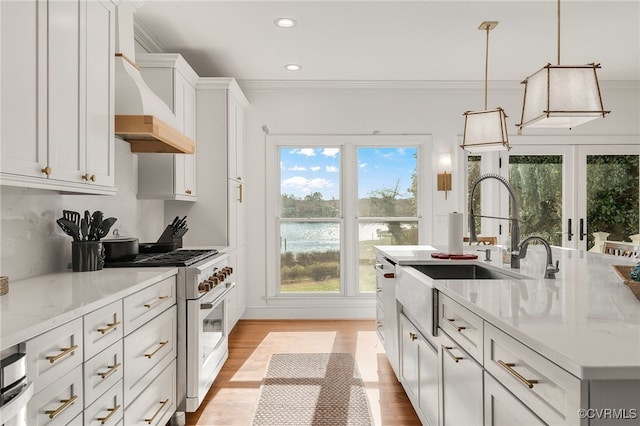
(430, 110)
(32, 243)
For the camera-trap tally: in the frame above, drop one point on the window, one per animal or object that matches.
(337, 198)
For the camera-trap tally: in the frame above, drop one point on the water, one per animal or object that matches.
(297, 237)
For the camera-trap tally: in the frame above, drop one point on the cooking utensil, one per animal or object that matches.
(72, 216)
(69, 228)
(105, 227)
(120, 249)
(94, 225)
(84, 227)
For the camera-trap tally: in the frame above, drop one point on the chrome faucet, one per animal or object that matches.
(518, 249)
(550, 269)
(513, 207)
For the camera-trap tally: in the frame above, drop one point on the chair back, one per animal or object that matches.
(485, 241)
(619, 249)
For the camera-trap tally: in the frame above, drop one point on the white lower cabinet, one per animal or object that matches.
(107, 409)
(157, 403)
(59, 403)
(502, 408)
(461, 385)
(419, 372)
(102, 371)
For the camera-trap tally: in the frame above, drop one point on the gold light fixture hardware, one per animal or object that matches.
(444, 178)
(561, 96)
(485, 130)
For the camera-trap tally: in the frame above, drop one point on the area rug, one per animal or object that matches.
(312, 389)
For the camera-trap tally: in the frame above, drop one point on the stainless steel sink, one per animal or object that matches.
(464, 272)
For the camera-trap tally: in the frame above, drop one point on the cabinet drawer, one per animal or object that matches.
(54, 353)
(501, 408)
(106, 410)
(102, 328)
(461, 325)
(147, 351)
(380, 321)
(157, 403)
(102, 371)
(548, 390)
(58, 403)
(140, 307)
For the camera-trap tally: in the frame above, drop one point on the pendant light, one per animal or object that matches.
(485, 130)
(561, 96)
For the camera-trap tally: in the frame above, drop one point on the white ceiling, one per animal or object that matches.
(395, 40)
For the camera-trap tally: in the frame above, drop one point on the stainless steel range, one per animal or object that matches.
(204, 280)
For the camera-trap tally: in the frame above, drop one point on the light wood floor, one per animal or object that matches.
(234, 395)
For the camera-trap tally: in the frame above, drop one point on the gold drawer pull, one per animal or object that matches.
(162, 404)
(65, 352)
(459, 327)
(389, 275)
(154, 303)
(112, 369)
(64, 406)
(447, 349)
(508, 366)
(109, 327)
(46, 170)
(187, 191)
(111, 411)
(156, 351)
(412, 336)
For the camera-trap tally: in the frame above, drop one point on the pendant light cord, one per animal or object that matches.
(486, 69)
(558, 32)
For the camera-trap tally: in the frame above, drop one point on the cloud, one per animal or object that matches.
(331, 169)
(304, 185)
(309, 152)
(297, 169)
(315, 168)
(330, 152)
(362, 165)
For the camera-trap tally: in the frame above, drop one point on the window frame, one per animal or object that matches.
(349, 219)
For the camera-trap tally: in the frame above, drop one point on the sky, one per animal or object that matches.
(304, 171)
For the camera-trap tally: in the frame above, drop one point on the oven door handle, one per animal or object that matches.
(214, 302)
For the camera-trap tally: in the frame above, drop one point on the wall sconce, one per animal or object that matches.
(444, 178)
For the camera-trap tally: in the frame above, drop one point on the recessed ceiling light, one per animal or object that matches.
(285, 22)
(293, 67)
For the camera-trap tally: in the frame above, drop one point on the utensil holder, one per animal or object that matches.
(87, 256)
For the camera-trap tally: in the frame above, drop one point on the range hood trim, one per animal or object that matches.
(149, 134)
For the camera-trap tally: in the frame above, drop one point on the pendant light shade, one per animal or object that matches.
(485, 130)
(561, 96)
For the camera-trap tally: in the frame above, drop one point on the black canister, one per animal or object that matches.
(87, 256)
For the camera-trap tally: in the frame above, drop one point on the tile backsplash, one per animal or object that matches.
(32, 243)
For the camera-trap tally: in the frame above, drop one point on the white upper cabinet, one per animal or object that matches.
(57, 95)
(170, 176)
(236, 104)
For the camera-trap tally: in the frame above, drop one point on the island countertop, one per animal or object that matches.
(585, 320)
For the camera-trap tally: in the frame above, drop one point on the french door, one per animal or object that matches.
(575, 196)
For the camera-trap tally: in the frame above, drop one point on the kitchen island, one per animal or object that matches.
(576, 337)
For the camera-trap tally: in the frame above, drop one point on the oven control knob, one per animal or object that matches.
(228, 270)
(204, 287)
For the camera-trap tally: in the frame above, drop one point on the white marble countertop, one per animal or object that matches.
(35, 305)
(586, 320)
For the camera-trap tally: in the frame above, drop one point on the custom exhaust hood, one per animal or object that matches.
(141, 117)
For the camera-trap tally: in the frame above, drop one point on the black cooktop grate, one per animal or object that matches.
(172, 258)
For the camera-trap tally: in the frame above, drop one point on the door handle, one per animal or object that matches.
(569, 230)
(582, 233)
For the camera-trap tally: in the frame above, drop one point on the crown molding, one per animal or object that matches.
(404, 85)
(147, 40)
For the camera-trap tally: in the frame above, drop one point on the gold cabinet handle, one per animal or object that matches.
(111, 411)
(109, 327)
(92, 178)
(162, 404)
(154, 303)
(240, 193)
(389, 275)
(66, 403)
(379, 324)
(412, 336)
(46, 170)
(187, 191)
(459, 327)
(65, 352)
(85, 177)
(112, 369)
(447, 349)
(509, 367)
(156, 351)
(379, 290)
